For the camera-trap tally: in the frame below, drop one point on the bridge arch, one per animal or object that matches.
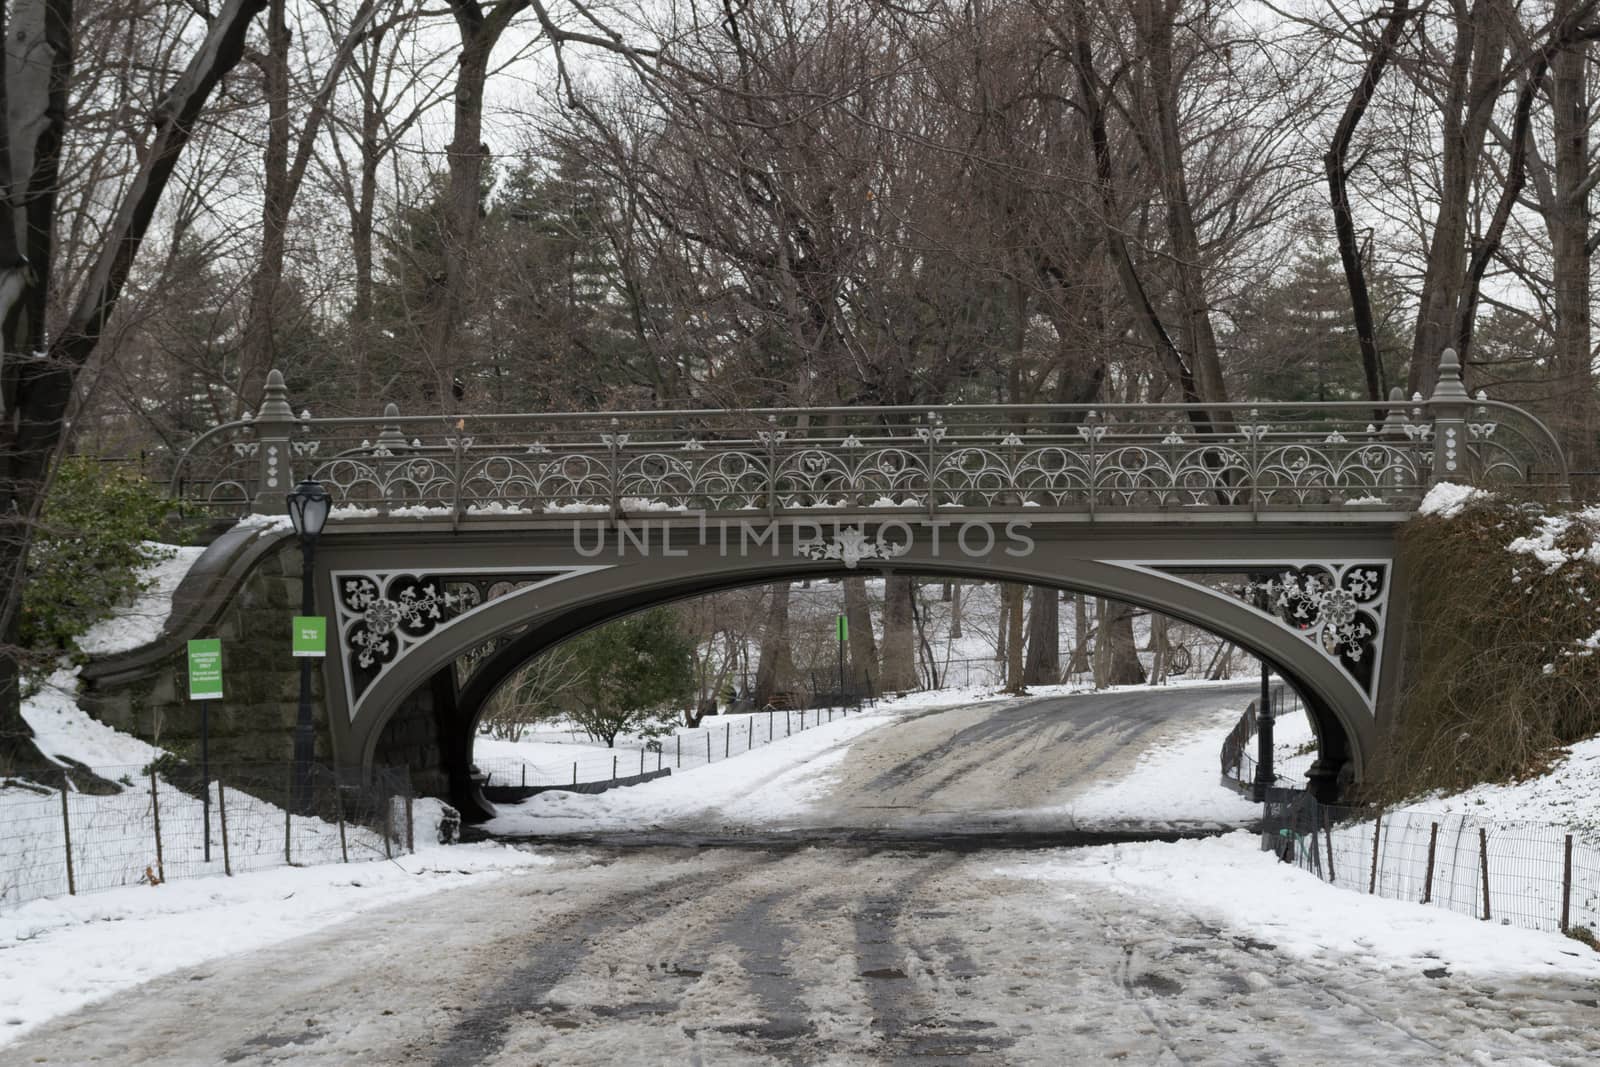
(523, 623)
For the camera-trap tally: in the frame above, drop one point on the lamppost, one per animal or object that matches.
(1264, 718)
(308, 510)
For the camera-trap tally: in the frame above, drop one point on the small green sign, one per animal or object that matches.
(310, 635)
(205, 668)
(844, 628)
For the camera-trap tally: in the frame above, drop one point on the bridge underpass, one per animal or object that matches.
(462, 547)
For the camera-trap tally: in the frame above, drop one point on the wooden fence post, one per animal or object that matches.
(411, 826)
(1433, 843)
(155, 814)
(222, 811)
(66, 837)
(338, 805)
(1566, 883)
(1377, 825)
(1483, 860)
(388, 822)
(1327, 833)
(288, 828)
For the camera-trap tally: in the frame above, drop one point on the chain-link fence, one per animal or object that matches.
(151, 824)
(1528, 874)
(724, 738)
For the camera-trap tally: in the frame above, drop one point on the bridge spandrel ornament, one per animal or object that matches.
(384, 615)
(1338, 606)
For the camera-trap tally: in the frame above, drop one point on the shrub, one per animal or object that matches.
(1501, 667)
(93, 539)
(630, 673)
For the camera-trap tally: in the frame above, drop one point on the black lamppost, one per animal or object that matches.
(308, 510)
(1264, 719)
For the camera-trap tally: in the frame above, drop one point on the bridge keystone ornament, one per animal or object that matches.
(850, 546)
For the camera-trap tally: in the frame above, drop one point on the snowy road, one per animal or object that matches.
(1047, 763)
(976, 767)
(810, 955)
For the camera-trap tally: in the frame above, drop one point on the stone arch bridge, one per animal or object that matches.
(460, 547)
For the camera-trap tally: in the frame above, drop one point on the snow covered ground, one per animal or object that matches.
(58, 954)
(140, 622)
(1175, 781)
(762, 786)
(1230, 881)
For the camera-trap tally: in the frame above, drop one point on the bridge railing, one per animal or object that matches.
(1244, 457)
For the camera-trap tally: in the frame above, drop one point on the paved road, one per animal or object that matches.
(804, 956)
(785, 951)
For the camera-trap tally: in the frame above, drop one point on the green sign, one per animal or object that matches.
(310, 635)
(844, 628)
(205, 669)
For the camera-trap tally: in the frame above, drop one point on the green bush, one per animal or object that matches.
(1500, 671)
(630, 674)
(88, 551)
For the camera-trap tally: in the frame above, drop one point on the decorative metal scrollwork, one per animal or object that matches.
(383, 615)
(1339, 606)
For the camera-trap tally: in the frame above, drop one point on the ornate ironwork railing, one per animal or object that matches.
(1245, 457)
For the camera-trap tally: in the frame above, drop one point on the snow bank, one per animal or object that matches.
(141, 622)
(1230, 881)
(62, 730)
(1447, 500)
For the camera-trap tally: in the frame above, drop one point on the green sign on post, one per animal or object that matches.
(844, 628)
(205, 668)
(310, 635)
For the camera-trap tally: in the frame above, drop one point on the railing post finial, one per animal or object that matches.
(274, 425)
(390, 439)
(1448, 408)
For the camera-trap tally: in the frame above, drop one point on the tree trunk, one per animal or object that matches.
(1012, 594)
(1568, 223)
(1079, 663)
(1043, 665)
(1116, 652)
(864, 671)
(955, 611)
(1474, 73)
(775, 667)
(898, 651)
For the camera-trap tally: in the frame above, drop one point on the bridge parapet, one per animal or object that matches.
(1249, 458)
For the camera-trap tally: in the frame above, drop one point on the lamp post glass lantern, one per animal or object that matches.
(309, 504)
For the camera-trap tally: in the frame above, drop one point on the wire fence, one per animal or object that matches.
(148, 825)
(1528, 874)
(728, 736)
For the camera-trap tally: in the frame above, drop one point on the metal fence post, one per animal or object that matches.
(613, 767)
(708, 746)
(66, 837)
(155, 815)
(641, 759)
(222, 813)
(1483, 861)
(574, 772)
(727, 739)
(680, 752)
